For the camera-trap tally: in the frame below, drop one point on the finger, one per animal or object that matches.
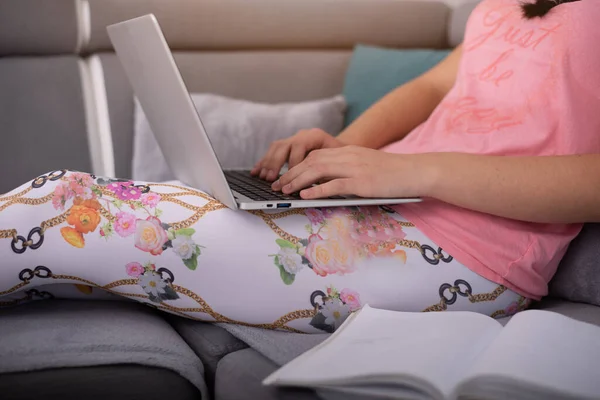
(262, 170)
(314, 158)
(263, 173)
(315, 174)
(297, 155)
(290, 175)
(276, 161)
(336, 187)
(256, 169)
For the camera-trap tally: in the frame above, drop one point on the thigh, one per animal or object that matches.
(348, 257)
(308, 269)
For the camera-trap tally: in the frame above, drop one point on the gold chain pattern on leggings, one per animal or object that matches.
(198, 212)
(204, 307)
(280, 323)
(457, 290)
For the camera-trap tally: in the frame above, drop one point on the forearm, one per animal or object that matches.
(394, 116)
(561, 189)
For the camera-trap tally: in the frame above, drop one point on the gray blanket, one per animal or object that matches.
(47, 334)
(279, 347)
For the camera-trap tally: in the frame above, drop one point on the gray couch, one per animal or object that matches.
(65, 103)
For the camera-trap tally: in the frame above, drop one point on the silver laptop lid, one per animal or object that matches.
(161, 91)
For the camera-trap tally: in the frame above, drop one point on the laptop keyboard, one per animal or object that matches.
(255, 188)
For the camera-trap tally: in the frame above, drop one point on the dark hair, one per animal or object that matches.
(540, 8)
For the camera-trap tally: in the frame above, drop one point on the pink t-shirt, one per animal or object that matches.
(524, 87)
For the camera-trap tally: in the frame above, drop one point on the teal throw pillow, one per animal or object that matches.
(374, 72)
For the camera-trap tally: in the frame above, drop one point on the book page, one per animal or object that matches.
(430, 347)
(546, 349)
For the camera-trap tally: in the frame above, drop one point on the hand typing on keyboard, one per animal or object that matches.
(353, 170)
(293, 151)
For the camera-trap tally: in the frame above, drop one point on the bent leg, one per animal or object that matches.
(179, 250)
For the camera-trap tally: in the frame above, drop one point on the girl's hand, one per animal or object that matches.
(353, 170)
(292, 150)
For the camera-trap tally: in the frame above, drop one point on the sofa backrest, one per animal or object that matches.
(43, 115)
(66, 102)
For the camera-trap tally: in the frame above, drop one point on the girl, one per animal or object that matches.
(499, 139)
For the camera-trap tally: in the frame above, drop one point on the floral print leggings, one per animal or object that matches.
(71, 234)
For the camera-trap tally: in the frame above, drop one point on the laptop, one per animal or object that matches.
(145, 55)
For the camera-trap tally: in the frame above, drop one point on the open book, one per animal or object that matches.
(452, 355)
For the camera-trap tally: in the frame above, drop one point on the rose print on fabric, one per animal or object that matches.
(135, 269)
(335, 307)
(84, 215)
(152, 282)
(125, 224)
(119, 209)
(153, 236)
(150, 235)
(350, 298)
(338, 239)
(330, 256)
(150, 199)
(61, 195)
(521, 304)
(76, 184)
(511, 309)
(125, 203)
(315, 216)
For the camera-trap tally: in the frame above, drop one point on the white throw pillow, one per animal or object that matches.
(240, 131)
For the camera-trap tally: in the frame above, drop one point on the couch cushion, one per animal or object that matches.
(210, 342)
(276, 24)
(578, 274)
(262, 76)
(118, 98)
(579, 311)
(29, 27)
(240, 376)
(42, 117)
(114, 382)
(62, 333)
